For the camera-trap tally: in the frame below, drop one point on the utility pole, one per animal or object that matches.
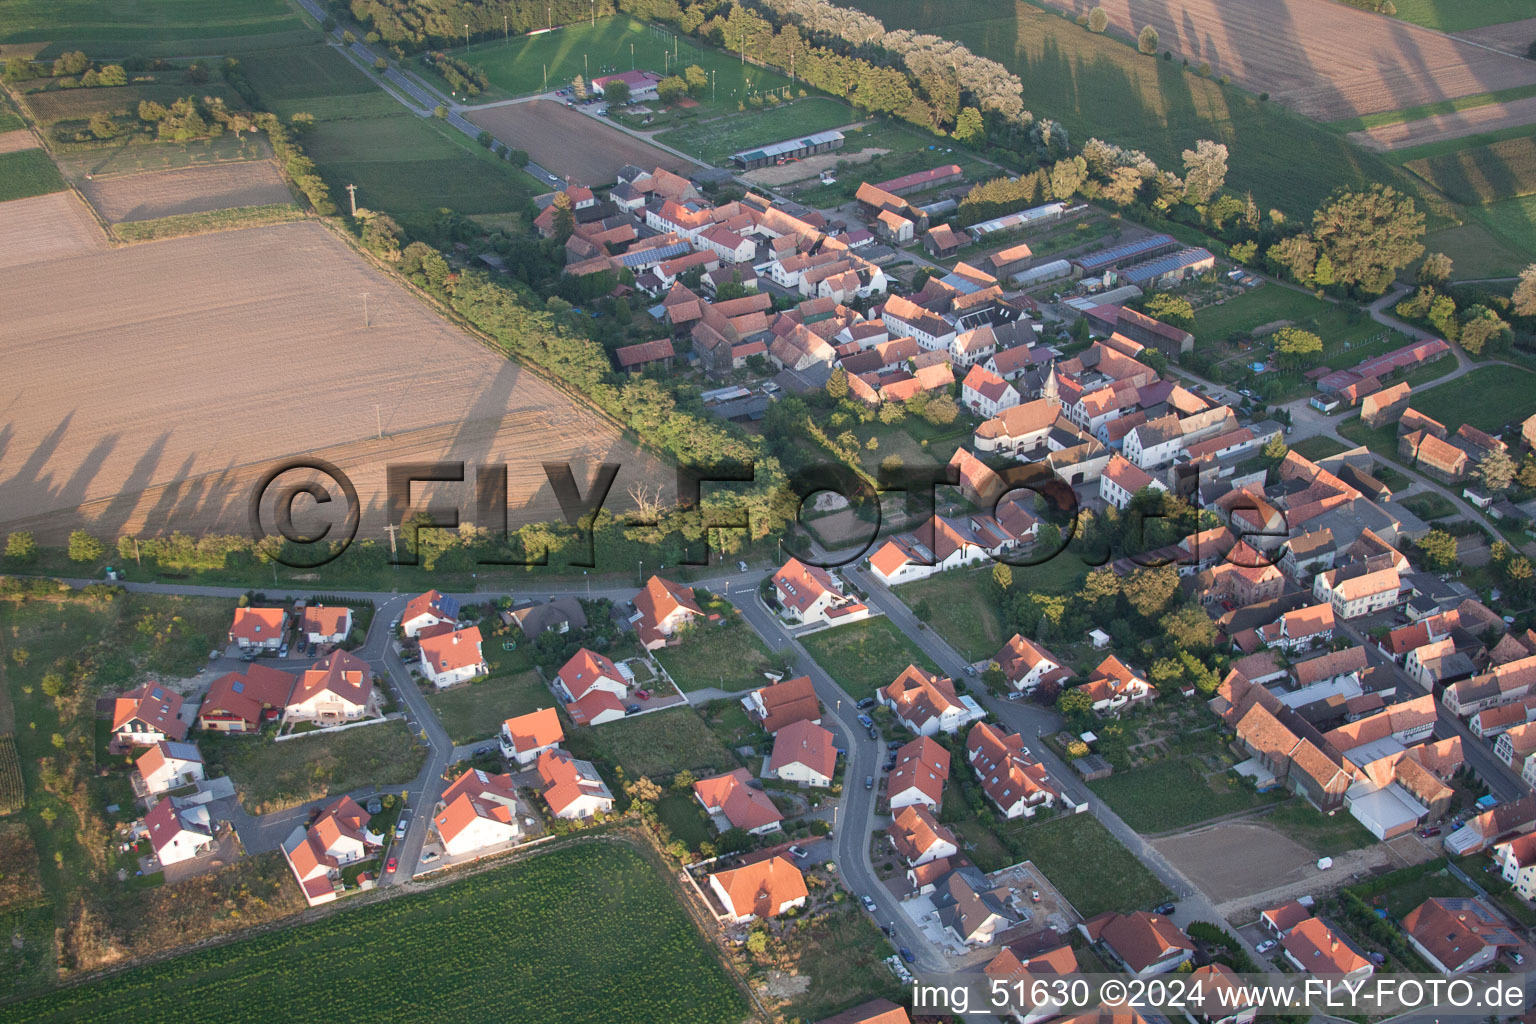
(137, 561)
(365, 309)
(352, 193)
(586, 67)
(466, 35)
(631, 56)
(711, 85)
(506, 34)
(378, 420)
(549, 12)
(390, 527)
(593, 4)
(743, 47)
(546, 78)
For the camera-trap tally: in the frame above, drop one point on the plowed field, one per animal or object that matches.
(159, 194)
(572, 144)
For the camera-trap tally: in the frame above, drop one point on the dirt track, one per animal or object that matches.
(1489, 118)
(573, 144)
(158, 194)
(1323, 59)
(187, 366)
(11, 142)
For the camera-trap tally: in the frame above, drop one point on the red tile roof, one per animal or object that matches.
(152, 704)
(535, 729)
(450, 652)
(256, 625)
(762, 887)
(343, 674)
(807, 744)
(733, 795)
(585, 668)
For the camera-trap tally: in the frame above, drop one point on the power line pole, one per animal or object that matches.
(631, 56)
(390, 528)
(365, 309)
(352, 194)
(378, 420)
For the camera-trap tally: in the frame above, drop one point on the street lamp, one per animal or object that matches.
(466, 35)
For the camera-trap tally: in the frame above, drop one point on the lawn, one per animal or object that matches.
(469, 950)
(728, 656)
(679, 810)
(1268, 303)
(1401, 891)
(271, 776)
(715, 140)
(1090, 867)
(865, 656)
(27, 172)
(1512, 223)
(959, 610)
(1429, 506)
(476, 711)
(1490, 398)
(103, 28)
(1319, 447)
(1459, 15)
(1324, 835)
(1173, 794)
(659, 744)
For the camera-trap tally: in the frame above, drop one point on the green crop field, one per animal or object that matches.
(314, 80)
(1482, 174)
(517, 68)
(27, 172)
(1097, 86)
(1488, 398)
(1460, 15)
(584, 934)
(715, 140)
(159, 27)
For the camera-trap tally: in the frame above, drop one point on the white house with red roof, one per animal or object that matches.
(259, 629)
(587, 670)
(734, 797)
(1121, 480)
(178, 833)
(452, 658)
(572, 788)
(985, 393)
(169, 765)
(146, 715)
(525, 737)
(661, 609)
(761, 889)
(337, 688)
(326, 624)
(1114, 685)
(1026, 664)
(337, 838)
(919, 837)
(934, 547)
(922, 768)
(1016, 783)
(238, 701)
(804, 752)
(928, 704)
(809, 595)
(429, 609)
(478, 810)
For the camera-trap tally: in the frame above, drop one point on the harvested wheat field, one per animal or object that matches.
(1511, 36)
(147, 387)
(45, 228)
(1323, 59)
(572, 144)
(14, 142)
(1474, 120)
(157, 194)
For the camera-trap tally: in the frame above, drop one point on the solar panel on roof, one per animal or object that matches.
(238, 687)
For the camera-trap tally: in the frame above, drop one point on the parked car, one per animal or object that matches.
(906, 954)
(742, 566)
(874, 733)
(1015, 695)
(798, 852)
(866, 721)
(893, 745)
(1516, 958)
(1165, 909)
(869, 904)
(375, 806)
(643, 694)
(391, 866)
(400, 828)
(869, 782)
(970, 670)
(890, 765)
(633, 709)
(1429, 833)
(429, 855)
(867, 702)
(282, 652)
(1265, 946)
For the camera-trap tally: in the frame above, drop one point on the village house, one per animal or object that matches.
(971, 908)
(1121, 481)
(1299, 630)
(985, 393)
(661, 609)
(556, 615)
(429, 609)
(934, 547)
(1026, 664)
(1142, 943)
(324, 624)
(810, 595)
(926, 703)
(448, 659)
(1356, 594)
(922, 768)
(1016, 783)
(178, 834)
(783, 703)
(1114, 686)
(479, 810)
(237, 702)
(1516, 861)
(525, 737)
(147, 714)
(337, 838)
(1503, 684)
(759, 890)
(806, 753)
(919, 838)
(1385, 406)
(259, 629)
(741, 803)
(169, 765)
(1278, 921)
(1314, 948)
(1456, 935)
(876, 1011)
(572, 788)
(337, 688)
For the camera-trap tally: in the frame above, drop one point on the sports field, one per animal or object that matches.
(715, 140)
(519, 67)
(585, 934)
(104, 27)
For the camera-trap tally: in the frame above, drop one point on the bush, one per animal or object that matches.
(84, 548)
(1146, 40)
(20, 546)
(1098, 21)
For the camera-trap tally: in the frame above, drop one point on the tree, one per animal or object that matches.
(1067, 177)
(1150, 589)
(1435, 270)
(616, 92)
(1173, 310)
(941, 411)
(1002, 575)
(1368, 236)
(1297, 254)
(671, 89)
(1293, 345)
(1098, 21)
(1482, 328)
(1146, 40)
(757, 941)
(112, 75)
(969, 126)
(1527, 474)
(486, 139)
(380, 64)
(102, 126)
(84, 548)
(1438, 549)
(1524, 298)
(1123, 186)
(151, 112)
(348, 38)
(1074, 702)
(1496, 471)
(683, 780)
(1205, 171)
(579, 87)
(643, 789)
(697, 79)
(440, 112)
(837, 383)
(1275, 449)
(20, 546)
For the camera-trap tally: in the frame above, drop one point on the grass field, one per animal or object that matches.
(27, 172)
(840, 953)
(1431, 109)
(1172, 794)
(680, 812)
(959, 611)
(715, 140)
(1324, 835)
(468, 950)
(865, 656)
(148, 26)
(1482, 174)
(1319, 447)
(476, 711)
(659, 744)
(1489, 398)
(1271, 302)
(905, 151)
(1090, 867)
(1428, 506)
(183, 224)
(1459, 15)
(730, 657)
(517, 68)
(272, 776)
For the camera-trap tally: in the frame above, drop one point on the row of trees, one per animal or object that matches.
(417, 24)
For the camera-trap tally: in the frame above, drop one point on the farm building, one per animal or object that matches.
(919, 181)
(789, 149)
(1047, 214)
(1169, 269)
(1044, 272)
(1111, 319)
(634, 358)
(1108, 259)
(943, 241)
(642, 84)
